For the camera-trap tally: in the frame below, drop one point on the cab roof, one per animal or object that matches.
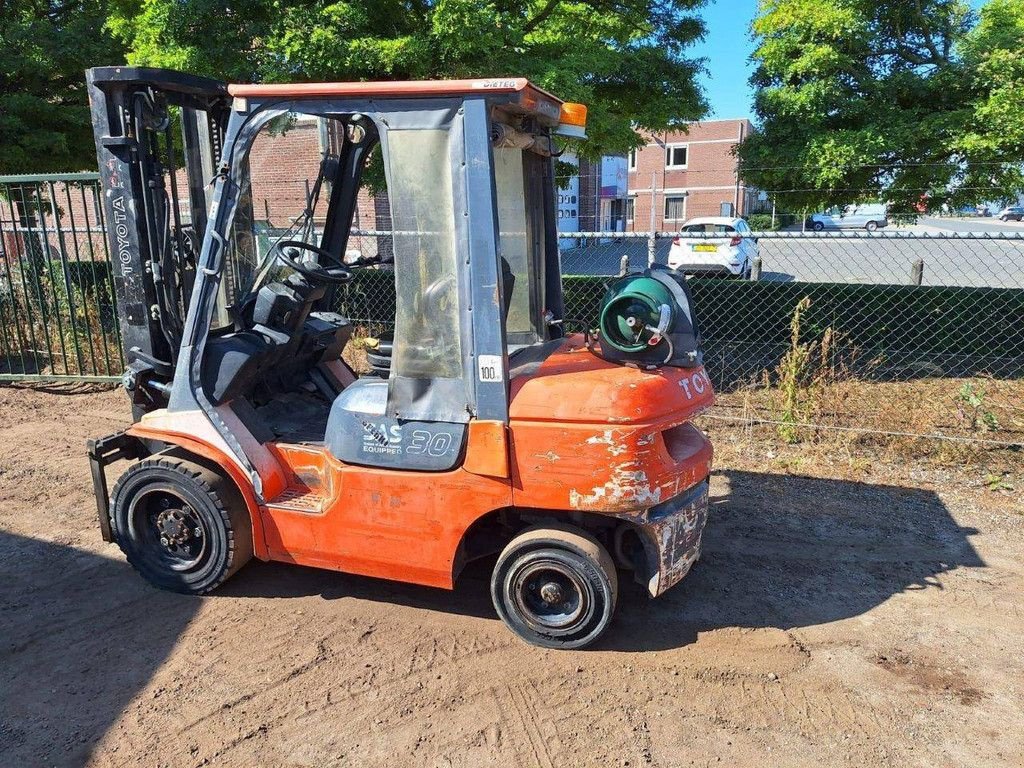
(520, 91)
(391, 88)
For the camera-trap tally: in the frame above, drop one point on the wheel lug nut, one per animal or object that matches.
(164, 541)
(197, 532)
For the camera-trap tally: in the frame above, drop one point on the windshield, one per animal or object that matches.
(709, 229)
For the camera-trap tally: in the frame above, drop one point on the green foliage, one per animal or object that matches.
(625, 60)
(994, 54)
(973, 408)
(862, 100)
(761, 222)
(45, 48)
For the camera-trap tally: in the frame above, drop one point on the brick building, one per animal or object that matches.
(687, 174)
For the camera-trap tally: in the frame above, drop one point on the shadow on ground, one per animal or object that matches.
(80, 636)
(779, 551)
(788, 552)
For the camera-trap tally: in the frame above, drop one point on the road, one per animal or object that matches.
(884, 258)
(973, 224)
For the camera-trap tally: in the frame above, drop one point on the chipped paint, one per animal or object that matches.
(627, 488)
(615, 446)
(550, 456)
(675, 536)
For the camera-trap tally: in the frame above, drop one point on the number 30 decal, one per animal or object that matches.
(433, 445)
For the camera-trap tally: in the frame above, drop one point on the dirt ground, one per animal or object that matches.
(872, 619)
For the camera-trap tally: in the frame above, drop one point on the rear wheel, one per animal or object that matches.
(871, 226)
(555, 587)
(182, 526)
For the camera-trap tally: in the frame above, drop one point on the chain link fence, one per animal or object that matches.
(845, 314)
(888, 306)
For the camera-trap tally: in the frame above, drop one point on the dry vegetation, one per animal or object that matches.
(873, 430)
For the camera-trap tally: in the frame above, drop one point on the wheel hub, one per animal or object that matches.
(550, 596)
(174, 528)
(552, 593)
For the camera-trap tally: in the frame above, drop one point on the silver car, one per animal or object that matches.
(869, 216)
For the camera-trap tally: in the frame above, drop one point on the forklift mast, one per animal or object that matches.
(159, 136)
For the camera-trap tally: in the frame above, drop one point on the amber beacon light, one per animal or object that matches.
(573, 120)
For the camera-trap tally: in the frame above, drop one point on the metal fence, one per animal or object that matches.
(883, 306)
(57, 310)
(880, 307)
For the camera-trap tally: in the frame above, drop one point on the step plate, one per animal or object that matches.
(300, 499)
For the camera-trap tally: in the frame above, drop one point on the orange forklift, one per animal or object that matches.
(484, 427)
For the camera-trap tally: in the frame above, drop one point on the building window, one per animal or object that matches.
(676, 155)
(675, 208)
(630, 208)
(632, 159)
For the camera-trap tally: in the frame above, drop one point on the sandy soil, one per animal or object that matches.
(831, 622)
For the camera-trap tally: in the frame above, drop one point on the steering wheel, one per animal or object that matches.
(288, 252)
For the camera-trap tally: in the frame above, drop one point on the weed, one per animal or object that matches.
(973, 408)
(795, 375)
(998, 482)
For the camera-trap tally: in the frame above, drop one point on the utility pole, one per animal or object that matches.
(652, 232)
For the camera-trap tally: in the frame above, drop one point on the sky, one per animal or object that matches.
(727, 48)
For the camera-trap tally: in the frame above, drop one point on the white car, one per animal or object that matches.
(715, 245)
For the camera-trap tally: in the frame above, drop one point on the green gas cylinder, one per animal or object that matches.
(636, 312)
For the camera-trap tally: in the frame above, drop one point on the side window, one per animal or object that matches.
(675, 208)
(427, 342)
(676, 155)
(632, 159)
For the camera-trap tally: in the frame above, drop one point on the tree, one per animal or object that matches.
(45, 48)
(881, 99)
(994, 54)
(623, 58)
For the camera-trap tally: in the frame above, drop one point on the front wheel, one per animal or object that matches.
(183, 527)
(817, 226)
(871, 226)
(555, 587)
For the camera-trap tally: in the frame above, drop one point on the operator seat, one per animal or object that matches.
(270, 345)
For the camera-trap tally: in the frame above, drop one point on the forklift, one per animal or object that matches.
(485, 428)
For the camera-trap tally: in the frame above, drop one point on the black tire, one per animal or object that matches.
(555, 587)
(871, 226)
(818, 226)
(182, 526)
